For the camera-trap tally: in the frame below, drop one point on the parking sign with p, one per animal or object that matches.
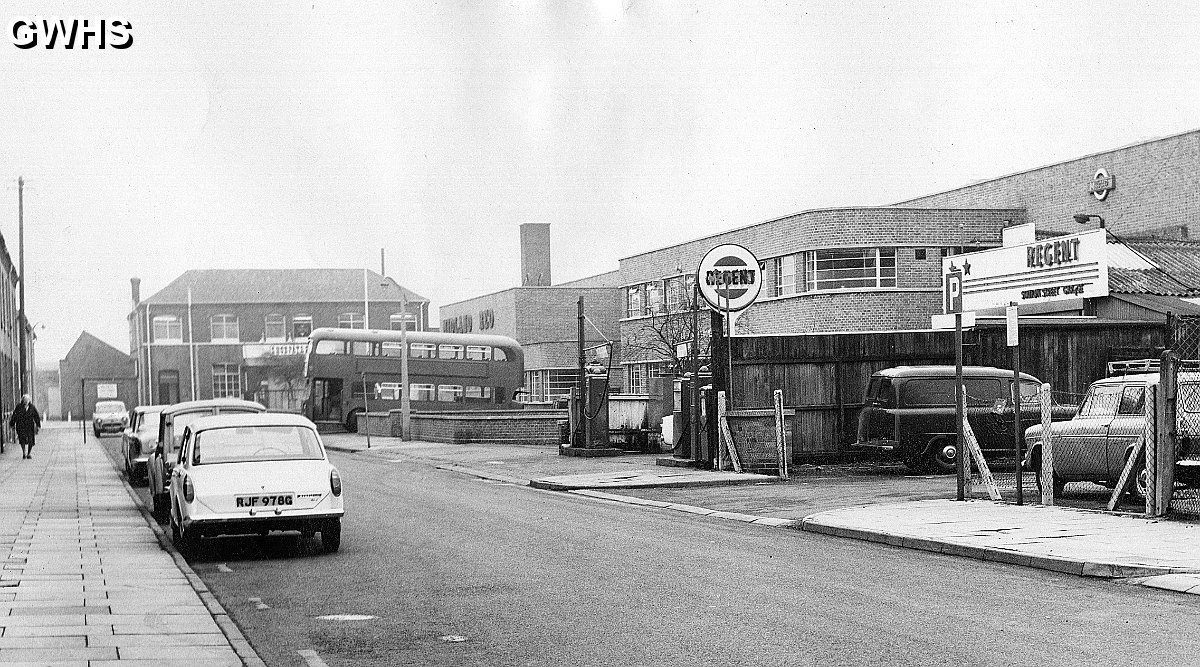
(953, 292)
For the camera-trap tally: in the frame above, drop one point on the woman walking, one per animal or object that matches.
(26, 421)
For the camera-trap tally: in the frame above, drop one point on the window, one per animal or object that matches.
(393, 349)
(498, 354)
(635, 301)
(654, 298)
(850, 268)
(1133, 401)
(351, 321)
(677, 294)
(255, 443)
(940, 391)
(479, 352)
(330, 347)
(478, 393)
(224, 327)
(168, 328)
(397, 322)
(1101, 401)
(227, 381)
(421, 392)
(638, 383)
(360, 348)
(422, 350)
(301, 326)
(450, 352)
(275, 328)
(388, 391)
(919, 253)
(785, 275)
(450, 393)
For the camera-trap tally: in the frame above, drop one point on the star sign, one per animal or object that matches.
(966, 268)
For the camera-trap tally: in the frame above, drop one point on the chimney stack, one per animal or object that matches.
(136, 289)
(535, 254)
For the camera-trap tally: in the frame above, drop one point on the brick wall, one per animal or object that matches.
(530, 427)
(1157, 190)
(842, 311)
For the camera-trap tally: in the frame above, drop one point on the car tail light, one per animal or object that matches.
(335, 482)
(189, 492)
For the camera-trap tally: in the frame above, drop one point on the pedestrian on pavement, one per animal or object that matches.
(26, 421)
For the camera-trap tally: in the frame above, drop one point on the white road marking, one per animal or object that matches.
(258, 603)
(453, 638)
(222, 567)
(312, 658)
(346, 617)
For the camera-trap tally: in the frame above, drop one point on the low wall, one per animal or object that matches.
(526, 427)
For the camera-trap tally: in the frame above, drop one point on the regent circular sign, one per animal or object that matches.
(729, 277)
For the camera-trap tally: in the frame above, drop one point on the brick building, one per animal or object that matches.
(243, 332)
(543, 317)
(94, 370)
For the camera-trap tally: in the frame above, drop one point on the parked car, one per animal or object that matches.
(109, 417)
(252, 474)
(909, 410)
(137, 441)
(1095, 445)
(171, 424)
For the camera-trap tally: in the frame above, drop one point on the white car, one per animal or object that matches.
(109, 417)
(254, 473)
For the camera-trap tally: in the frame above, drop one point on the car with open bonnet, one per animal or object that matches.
(137, 441)
(253, 474)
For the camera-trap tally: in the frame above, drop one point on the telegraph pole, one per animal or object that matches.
(21, 270)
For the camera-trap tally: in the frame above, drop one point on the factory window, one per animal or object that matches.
(850, 268)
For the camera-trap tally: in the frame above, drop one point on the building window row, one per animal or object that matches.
(660, 297)
(550, 384)
(638, 376)
(223, 327)
(834, 269)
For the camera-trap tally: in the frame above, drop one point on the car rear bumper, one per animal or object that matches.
(244, 525)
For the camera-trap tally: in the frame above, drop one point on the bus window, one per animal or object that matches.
(450, 352)
(393, 349)
(421, 392)
(450, 393)
(330, 347)
(422, 350)
(389, 391)
(498, 354)
(360, 348)
(478, 393)
(479, 352)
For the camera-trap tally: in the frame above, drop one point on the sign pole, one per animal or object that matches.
(1014, 344)
(728, 350)
(959, 416)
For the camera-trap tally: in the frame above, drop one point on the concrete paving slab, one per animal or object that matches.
(42, 655)
(43, 642)
(206, 640)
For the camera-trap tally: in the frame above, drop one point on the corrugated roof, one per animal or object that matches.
(280, 286)
(1177, 273)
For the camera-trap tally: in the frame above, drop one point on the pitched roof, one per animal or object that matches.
(280, 286)
(1175, 272)
(91, 344)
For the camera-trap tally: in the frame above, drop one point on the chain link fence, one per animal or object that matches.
(1185, 343)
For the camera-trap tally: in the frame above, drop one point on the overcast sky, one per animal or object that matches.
(311, 134)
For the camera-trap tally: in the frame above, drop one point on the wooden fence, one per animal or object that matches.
(824, 376)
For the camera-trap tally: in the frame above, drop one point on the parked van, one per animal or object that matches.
(909, 410)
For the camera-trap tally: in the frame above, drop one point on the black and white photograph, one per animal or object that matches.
(600, 333)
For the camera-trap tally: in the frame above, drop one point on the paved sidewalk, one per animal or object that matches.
(85, 579)
(1157, 553)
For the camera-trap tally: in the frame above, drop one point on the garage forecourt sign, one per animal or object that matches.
(729, 278)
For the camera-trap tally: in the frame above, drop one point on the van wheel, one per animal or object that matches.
(943, 455)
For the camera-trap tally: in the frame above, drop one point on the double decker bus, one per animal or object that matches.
(446, 372)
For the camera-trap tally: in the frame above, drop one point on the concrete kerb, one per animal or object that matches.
(237, 640)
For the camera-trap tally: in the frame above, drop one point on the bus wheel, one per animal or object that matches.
(352, 421)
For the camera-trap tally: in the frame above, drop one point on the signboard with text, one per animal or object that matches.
(1045, 271)
(729, 277)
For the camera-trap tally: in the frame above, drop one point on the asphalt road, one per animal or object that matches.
(454, 570)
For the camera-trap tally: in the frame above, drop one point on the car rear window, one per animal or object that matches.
(879, 392)
(110, 406)
(940, 391)
(243, 444)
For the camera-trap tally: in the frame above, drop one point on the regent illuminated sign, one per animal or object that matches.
(729, 277)
(1052, 253)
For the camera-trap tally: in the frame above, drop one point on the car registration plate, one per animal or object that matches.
(266, 500)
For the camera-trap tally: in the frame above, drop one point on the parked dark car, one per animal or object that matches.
(137, 441)
(909, 410)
